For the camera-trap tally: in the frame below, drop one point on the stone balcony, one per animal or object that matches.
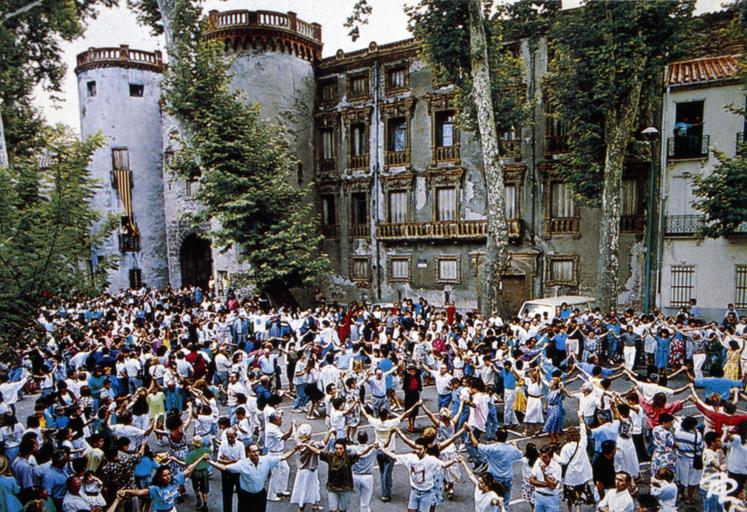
(452, 230)
(122, 57)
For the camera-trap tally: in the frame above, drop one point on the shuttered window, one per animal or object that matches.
(446, 204)
(397, 206)
(562, 206)
(358, 144)
(448, 269)
(360, 268)
(120, 159)
(399, 269)
(328, 147)
(682, 284)
(630, 197)
(329, 215)
(511, 206)
(136, 278)
(562, 271)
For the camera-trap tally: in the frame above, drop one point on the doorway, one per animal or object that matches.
(514, 293)
(196, 261)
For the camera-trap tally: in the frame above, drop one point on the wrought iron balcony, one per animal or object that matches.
(446, 153)
(453, 230)
(631, 224)
(326, 165)
(686, 147)
(563, 225)
(129, 243)
(684, 225)
(358, 161)
(359, 231)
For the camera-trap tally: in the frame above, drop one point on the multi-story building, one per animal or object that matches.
(399, 186)
(698, 119)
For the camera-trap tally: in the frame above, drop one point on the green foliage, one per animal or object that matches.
(147, 14)
(359, 16)
(721, 194)
(31, 53)
(602, 51)
(45, 228)
(245, 163)
(442, 27)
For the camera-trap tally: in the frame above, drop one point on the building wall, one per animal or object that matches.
(714, 261)
(134, 123)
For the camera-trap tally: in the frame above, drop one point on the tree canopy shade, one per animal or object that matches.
(47, 229)
(607, 55)
(245, 165)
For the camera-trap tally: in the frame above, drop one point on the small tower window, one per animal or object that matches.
(91, 88)
(136, 90)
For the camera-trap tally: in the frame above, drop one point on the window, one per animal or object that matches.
(740, 299)
(360, 268)
(329, 92)
(681, 285)
(329, 217)
(445, 129)
(91, 88)
(136, 90)
(120, 159)
(397, 135)
(561, 271)
(189, 185)
(397, 206)
(358, 142)
(136, 278)
(446, 204)
(512, 201)
(556, 131)
(399, 269)
(629, 197)
(299, 173)
(562, 205)
(358, 85)
(359, 208)
(396, 78)
(447, 269)
(688, 141)
(328, 147)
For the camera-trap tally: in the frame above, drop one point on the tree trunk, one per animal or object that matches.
(618, 127)
(497, 244)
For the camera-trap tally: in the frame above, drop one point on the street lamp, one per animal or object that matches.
(649, 134)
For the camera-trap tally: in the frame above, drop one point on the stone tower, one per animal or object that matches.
(119, 92)
(274, 63)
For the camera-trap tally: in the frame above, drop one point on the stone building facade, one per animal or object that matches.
(398, 185)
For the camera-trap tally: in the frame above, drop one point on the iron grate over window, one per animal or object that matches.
(740, 299)
(682, 285)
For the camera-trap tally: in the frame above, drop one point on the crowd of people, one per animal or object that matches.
(139, 396)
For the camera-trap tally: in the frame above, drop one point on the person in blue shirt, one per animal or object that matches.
(500, 457)
(509, 394)
(716, 383)
(164, 491)
(54, 477)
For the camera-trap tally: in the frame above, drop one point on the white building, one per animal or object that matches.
(713, 271)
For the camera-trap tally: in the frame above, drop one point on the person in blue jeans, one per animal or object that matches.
(500, 457)
(546, 477)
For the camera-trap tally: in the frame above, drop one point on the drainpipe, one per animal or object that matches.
(376, 189)
(649, 226)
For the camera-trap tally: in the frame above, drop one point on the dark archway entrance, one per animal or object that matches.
(196, 261)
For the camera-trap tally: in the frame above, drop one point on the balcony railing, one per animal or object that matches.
(326, 165)
(257, 19)
(684, 225)
(690, 146)
(515, 229)
(392, 158)
(459, 230)
(446, 153)
(556, 144)
(359, 231)
(329, 230)
(129, 243)
(123, 56)
(561, 225)
(631, 224)
(358, 161)
(510, 148)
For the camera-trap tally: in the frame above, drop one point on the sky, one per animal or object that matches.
(117, 26)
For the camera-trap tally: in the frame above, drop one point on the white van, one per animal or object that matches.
(550, 305)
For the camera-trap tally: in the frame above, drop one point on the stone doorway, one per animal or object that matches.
(514, 293)
(196, 261)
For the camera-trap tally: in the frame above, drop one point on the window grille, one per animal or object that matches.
(740, 300)
(682, 284)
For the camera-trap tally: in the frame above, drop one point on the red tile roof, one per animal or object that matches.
(707, 69)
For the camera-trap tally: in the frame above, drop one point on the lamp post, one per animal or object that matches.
(650, 134)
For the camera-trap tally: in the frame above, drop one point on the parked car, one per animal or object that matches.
(550, 305)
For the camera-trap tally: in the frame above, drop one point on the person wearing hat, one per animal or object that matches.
(199, 477)
(306, 485)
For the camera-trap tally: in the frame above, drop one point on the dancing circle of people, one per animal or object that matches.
(135, 394)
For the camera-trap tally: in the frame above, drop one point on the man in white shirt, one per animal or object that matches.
(222, 367)
(619, 498)
(546, 478)
(423, 470)
(443, 388)
(230, 451)
(275, 443)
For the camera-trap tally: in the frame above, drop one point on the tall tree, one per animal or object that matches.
(245, 164)
(47, 229)
(607, 53)
(490, 93)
